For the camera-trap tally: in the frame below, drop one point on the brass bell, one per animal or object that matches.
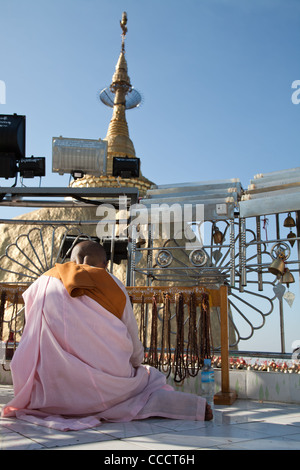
(291, 237)
(217, 236)
(289, 221)
(287, 277)
(277, 267)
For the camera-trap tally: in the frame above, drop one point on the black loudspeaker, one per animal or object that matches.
(12, 143)
(30, 167)
(126, 167)
(12, 135)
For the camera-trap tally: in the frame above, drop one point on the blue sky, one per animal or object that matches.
(215, 76)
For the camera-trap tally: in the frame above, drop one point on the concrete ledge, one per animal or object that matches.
(251, 385)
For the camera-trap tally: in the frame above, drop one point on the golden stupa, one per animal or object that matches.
(120, 96)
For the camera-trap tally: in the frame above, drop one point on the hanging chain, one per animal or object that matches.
(193, 359)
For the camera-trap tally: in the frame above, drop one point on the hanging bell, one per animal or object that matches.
(291, 237)
(277, 267)
(289, 221)
(287, 277)
(217, 236)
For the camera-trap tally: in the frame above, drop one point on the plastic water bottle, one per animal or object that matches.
(208, 382)
(2, 352)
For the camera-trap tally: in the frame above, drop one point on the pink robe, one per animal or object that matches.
(77, 364)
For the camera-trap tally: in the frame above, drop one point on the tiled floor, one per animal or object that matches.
(245, 425)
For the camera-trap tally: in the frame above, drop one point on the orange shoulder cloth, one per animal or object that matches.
(96, 283)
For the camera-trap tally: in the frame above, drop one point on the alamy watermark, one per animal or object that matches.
(296, 94)
(2, 92)
(160, 221)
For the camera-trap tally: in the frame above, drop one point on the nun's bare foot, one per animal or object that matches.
(208, 413)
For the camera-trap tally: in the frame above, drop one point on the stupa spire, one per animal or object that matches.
(120, 96)
(123, 24)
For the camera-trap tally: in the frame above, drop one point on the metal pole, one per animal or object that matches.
(281, 317)
(232, 254)
(259, 270)
(242, 254)
(133, 254)
(281, 326)
(112, 249)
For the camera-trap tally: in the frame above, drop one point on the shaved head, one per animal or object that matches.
(89, 252)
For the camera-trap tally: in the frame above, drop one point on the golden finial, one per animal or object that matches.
(123, 24)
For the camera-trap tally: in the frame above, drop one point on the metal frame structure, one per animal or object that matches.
(240, 260)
